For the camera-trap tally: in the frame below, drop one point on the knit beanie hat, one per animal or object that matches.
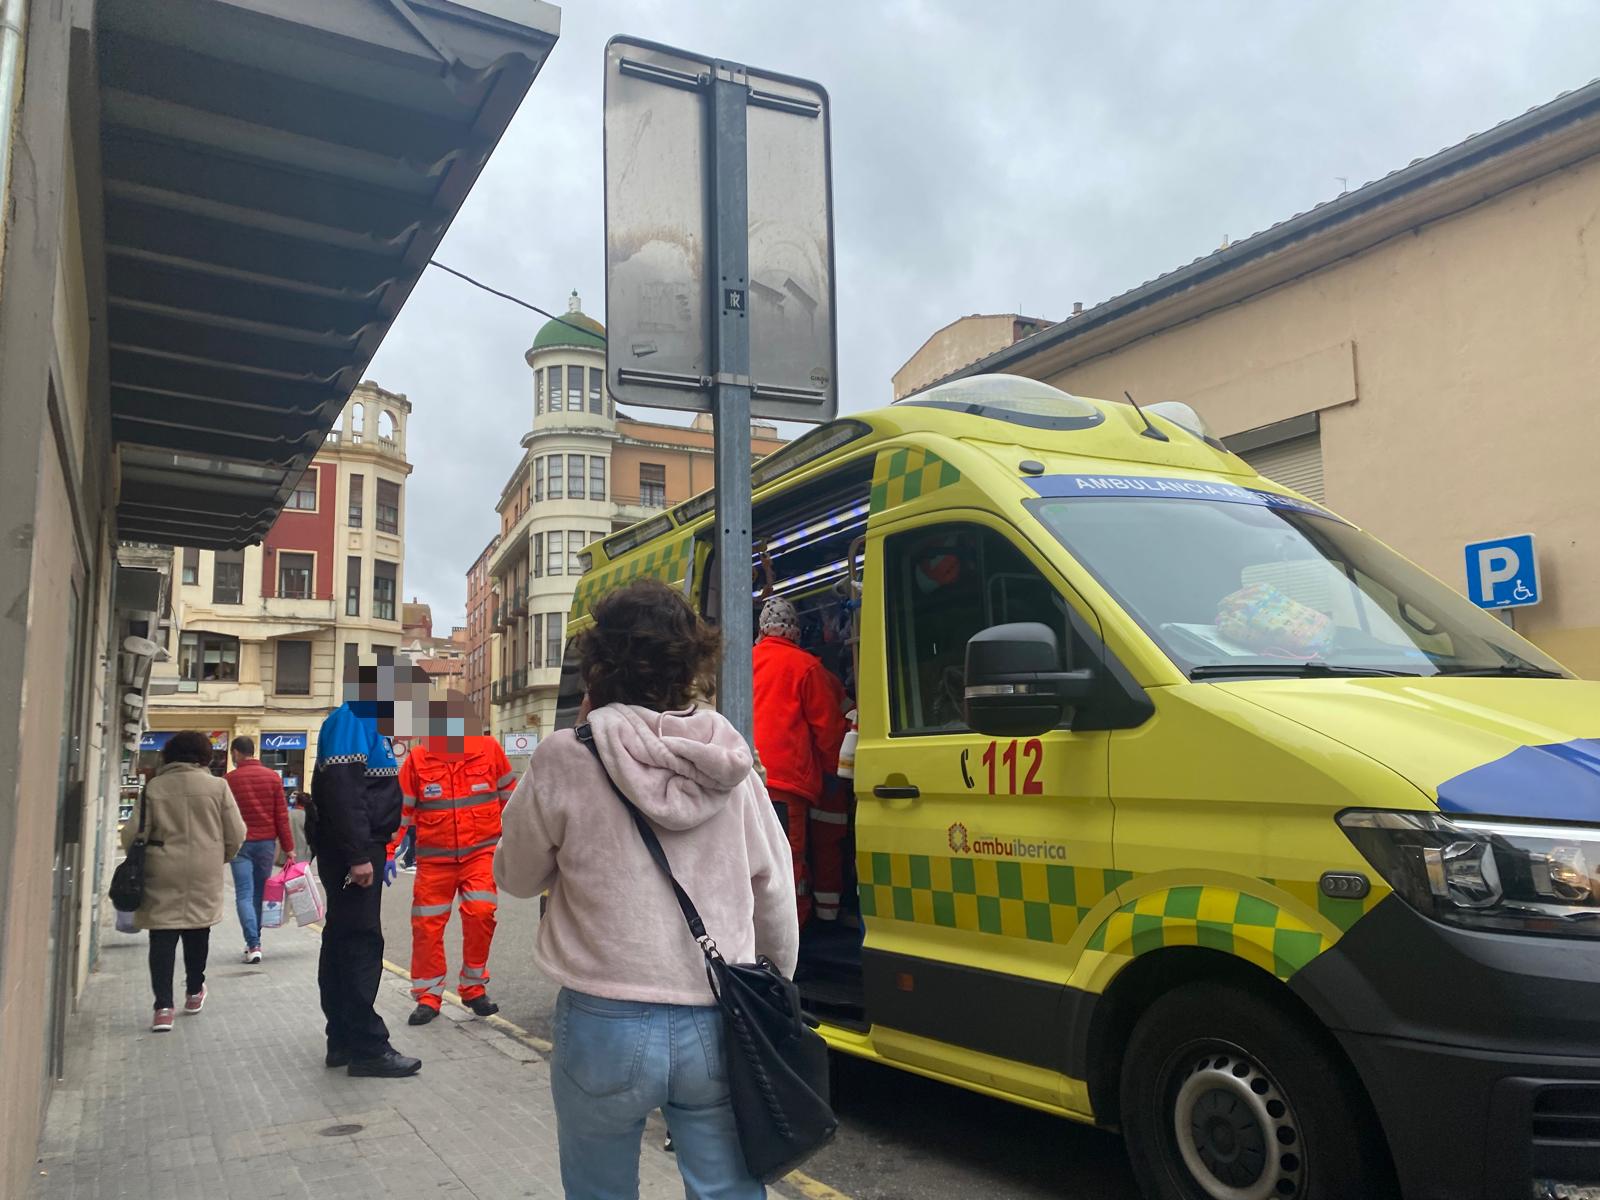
(779, 617)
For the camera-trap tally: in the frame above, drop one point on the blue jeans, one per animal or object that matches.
(615, 1062)
(251, 867)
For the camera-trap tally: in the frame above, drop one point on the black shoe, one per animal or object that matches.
(337, 1058)
(483, 1006)
(422, 1014)
(389, 1065)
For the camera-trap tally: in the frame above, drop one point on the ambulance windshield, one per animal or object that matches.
(1232, 586)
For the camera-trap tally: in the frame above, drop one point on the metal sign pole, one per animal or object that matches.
(730, 366)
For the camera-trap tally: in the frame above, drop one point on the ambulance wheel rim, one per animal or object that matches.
(1236, 1131)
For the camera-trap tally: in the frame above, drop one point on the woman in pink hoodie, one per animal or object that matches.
(636, 1026)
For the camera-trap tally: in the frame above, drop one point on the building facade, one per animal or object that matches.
(478, 677)
(585, 472)
(1420, 353)
(260, 635)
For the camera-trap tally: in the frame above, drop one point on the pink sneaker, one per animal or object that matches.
(162, 1021)
(193, 1004)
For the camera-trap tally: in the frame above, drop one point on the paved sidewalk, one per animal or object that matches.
(235, 1102)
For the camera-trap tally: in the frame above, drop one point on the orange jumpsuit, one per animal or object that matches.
(454, 799)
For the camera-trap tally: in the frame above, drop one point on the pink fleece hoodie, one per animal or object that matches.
(612, 927)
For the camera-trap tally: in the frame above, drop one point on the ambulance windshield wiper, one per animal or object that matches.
(1527, 669)
(1301, 670)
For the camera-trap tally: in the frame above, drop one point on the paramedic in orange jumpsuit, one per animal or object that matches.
(799, 725)
(454, 789)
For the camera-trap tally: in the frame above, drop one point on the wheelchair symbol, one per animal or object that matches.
(1522, 591)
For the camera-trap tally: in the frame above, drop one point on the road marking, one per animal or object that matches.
(807, 1187)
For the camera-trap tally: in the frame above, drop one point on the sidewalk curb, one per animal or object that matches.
(802, 1185)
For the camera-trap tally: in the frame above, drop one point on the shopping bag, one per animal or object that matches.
(302, 894)
(272, 900)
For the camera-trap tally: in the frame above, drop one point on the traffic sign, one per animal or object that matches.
(700, 154)
(520, 744)
(1503, 572)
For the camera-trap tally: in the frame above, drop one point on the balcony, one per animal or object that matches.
(632, 509)
(317, 607)
(519, 603)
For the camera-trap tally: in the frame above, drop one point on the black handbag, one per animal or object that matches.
(777, 1063)
(127, 881)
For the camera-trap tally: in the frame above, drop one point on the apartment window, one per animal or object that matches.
(575, 544)
(383, 590)
(538, 641)
(538, 556)
(575, 477)
(597, 479)
(293, 676)
(208, 657)
(554, 626)
(653, 485)
(352, 654)
(388, 506)
(596, 391)
(352, 586)
(191, 565)
(555, 389)
(556, 564)
(574, 389)
(304, 496)
(357, 498)
(538, 479)
(294, 576)
(227, 579)
(384, 654)
(555, 476)
(538, 392)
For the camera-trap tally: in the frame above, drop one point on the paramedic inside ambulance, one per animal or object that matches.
(454, 786)
(799, 725)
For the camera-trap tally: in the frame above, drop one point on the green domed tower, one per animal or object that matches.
(562, 333)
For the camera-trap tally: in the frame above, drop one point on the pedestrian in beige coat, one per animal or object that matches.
(192, 827)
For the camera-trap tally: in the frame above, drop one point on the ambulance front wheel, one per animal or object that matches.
(1229, 1096)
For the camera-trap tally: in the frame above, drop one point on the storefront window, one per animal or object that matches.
(285, 753)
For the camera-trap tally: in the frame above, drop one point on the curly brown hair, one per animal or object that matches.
(647, 646)
(190, 746)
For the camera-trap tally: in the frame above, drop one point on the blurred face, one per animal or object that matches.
(396, 693)
(449, 720)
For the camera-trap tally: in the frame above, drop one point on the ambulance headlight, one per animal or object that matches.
(1509, 876)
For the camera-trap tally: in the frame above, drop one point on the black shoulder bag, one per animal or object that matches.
(777, 1064)
(127, 881)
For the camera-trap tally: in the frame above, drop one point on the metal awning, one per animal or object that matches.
(276, 175)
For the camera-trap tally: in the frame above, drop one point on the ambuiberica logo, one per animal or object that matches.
(1004, 845)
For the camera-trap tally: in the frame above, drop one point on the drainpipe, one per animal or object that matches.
(13, 33)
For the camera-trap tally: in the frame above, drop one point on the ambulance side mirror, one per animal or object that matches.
(1015, 686)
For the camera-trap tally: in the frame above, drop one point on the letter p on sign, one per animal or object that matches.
(1503, 572)
(1496, 564)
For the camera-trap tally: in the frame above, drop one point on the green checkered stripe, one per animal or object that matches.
(1221, 918)
(900, 476)
(669, 563)
(1035, 901)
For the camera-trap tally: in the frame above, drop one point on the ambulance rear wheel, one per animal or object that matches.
(1228, 1096)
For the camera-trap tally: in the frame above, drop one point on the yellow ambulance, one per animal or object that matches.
(1182, 806)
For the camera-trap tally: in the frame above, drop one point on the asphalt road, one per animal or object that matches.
(901, 1137)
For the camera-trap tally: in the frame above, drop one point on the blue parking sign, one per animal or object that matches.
(1503, 572)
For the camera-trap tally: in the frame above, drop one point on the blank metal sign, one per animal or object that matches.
(659, 293)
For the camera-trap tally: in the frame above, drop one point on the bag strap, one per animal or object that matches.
(652, 843)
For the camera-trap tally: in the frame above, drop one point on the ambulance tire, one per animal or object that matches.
(1270, 1108)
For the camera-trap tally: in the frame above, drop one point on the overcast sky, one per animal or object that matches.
(988, 157)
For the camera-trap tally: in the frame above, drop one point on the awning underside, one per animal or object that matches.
(276, 175)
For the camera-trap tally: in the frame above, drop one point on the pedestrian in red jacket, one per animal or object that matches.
(258, 790)
(799, 724)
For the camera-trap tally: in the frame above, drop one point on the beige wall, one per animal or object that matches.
(1455, 369)
(960, 344)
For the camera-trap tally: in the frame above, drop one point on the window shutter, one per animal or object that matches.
(1296, 463)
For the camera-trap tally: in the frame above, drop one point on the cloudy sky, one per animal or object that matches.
(988, 157)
